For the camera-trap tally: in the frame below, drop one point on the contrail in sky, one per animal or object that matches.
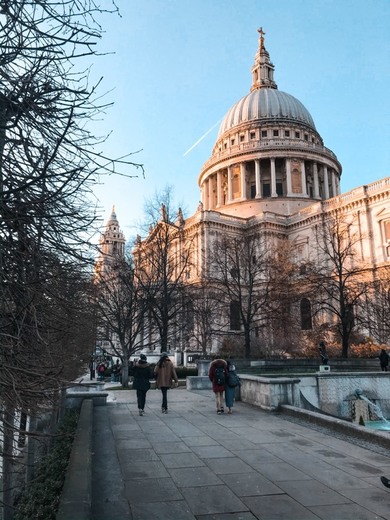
(201, 138)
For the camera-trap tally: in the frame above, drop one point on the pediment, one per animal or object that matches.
(383, 214)
(300, 239)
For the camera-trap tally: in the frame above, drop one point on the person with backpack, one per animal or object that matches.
(231, 384)
(165, 373)
(218, 376)
(142, 374)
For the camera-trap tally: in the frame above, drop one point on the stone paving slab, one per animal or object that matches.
(192, 464)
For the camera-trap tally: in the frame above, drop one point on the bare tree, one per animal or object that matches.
(49, 163)
(339, 279)
(238, 270)
(375, 308)
(163, 263)
(206, 311)
(286, 289)
(121, 307)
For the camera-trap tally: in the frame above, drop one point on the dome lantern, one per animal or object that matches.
(263, 69)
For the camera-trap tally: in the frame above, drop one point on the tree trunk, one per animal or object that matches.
(8, 465)
(125, 372)
(247, 343)
(345, 345)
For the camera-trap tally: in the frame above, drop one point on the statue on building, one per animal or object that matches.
(323, 354)
(180, 218)
(164, 215)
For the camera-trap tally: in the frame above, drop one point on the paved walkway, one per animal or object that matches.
(194, 464)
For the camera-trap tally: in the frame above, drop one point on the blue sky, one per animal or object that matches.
(179, 65)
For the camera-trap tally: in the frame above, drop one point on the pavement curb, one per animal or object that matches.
(76, 496)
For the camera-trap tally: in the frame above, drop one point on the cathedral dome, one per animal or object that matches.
(266, 104)
(268, 153)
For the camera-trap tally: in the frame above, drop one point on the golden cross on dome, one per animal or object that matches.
(262, 33)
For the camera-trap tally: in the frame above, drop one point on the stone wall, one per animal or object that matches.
(336, 391)
(329, 392)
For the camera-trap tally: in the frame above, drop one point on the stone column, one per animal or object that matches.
(326, 183)
(337, 184)
(304, 185)
(208, 196)
(333, 179)
(219, 189)
(258, 179)
(315, 179)
(273, 178)
(243, 181)
(203, 194)
(229, 184)
(288, 177)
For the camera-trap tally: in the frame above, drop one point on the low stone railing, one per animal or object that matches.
(266, 392)
(76, 496)
(269, 392)
(75, 395)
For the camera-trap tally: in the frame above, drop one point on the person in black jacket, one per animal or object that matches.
(384, 360)
(141, 383)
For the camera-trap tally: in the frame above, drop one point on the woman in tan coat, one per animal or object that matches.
(165, 373)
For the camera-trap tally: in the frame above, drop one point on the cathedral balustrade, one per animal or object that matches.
(264, 145)
(378, 185)
(314, 209)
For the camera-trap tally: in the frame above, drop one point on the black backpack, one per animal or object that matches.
(219, 376)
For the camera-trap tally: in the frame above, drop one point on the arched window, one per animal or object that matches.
(306, 322)
(235, 322)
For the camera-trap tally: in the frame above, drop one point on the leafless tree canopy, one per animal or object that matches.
(49, 163)
(163, 261)
(375, 308)
(239, 268)
(339, 278)
(121, 307)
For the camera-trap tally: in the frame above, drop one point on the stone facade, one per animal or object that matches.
(271, 174)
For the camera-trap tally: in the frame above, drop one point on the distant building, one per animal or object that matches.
(111, 245)
(111, 249)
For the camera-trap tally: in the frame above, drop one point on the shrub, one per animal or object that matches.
(183, 372)
(41, 499)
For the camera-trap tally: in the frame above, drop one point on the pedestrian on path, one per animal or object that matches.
(92, 368)
(141, 383)
(165, 378)
(231, 384)
(384, 360)
(218, 375)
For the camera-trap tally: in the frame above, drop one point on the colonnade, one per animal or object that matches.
(263, 178)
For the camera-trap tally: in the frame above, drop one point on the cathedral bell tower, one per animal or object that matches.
(111, 245)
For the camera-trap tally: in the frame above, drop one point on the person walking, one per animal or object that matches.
(218, 376)
(142, 374)
(231, 384)
(384, 360)
(165, 373)
(92, 368)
